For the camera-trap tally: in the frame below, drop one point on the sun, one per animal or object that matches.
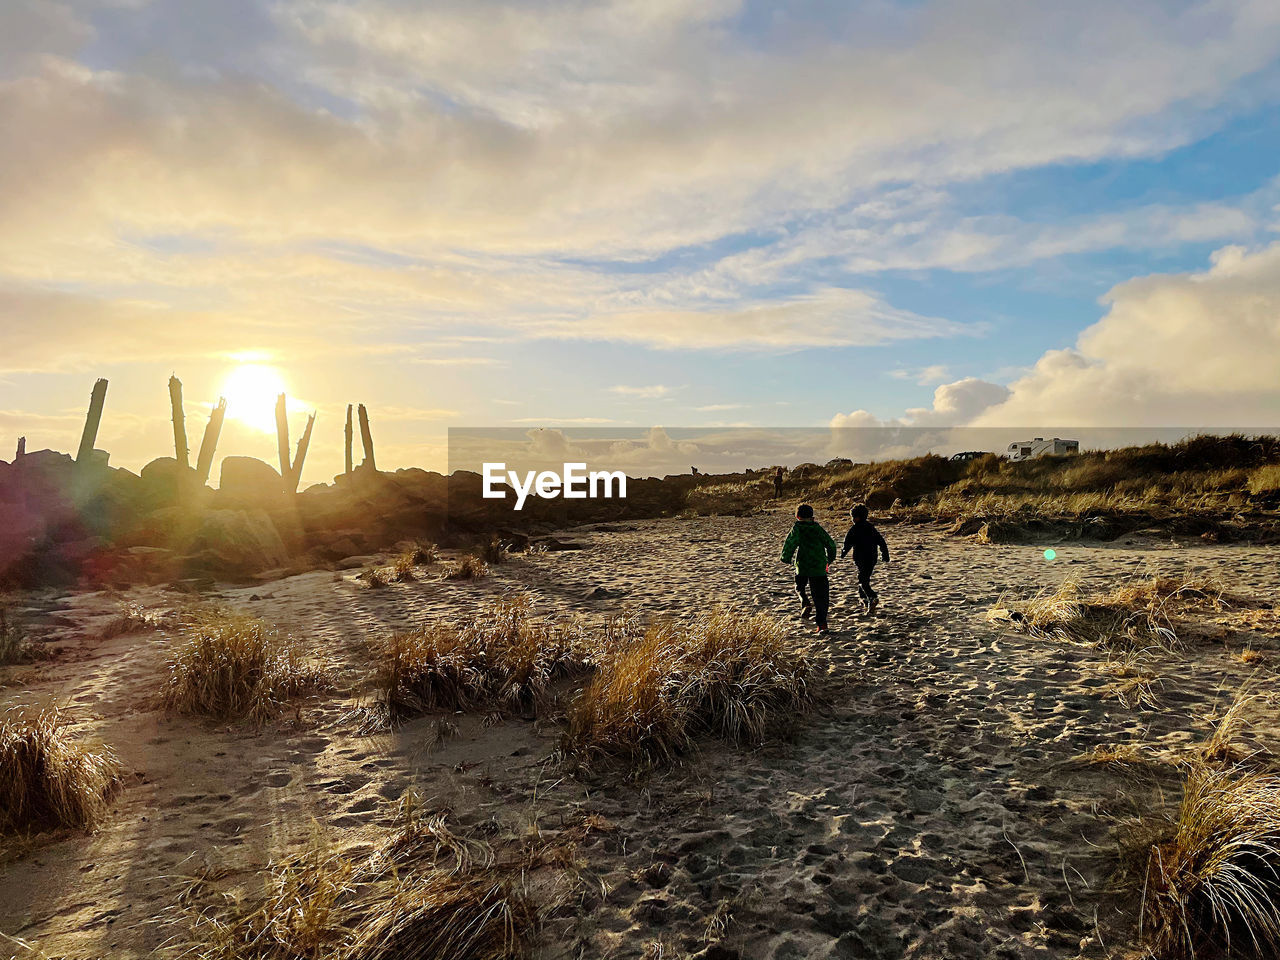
(251, 390)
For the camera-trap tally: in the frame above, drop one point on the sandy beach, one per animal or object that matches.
(930, 808)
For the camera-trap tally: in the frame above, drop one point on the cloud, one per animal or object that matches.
(923, 376)
(641, 393)
(827, 317)
(1189, 349)
(954, 404)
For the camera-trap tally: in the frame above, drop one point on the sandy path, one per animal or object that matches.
(924, 812)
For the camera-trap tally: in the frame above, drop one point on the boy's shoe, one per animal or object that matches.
(872, 604)
(821, 628)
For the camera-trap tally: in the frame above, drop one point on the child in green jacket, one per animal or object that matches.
(813, 550)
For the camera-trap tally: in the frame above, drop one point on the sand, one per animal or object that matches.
(928, 809)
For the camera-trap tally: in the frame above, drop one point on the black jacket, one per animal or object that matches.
(864, 540)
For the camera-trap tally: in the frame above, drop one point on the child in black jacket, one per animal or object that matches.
(865, 540)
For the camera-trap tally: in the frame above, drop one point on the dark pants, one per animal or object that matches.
(865, 567)
(820, 587)
(777, 487)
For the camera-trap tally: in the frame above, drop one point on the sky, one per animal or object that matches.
(687, 213)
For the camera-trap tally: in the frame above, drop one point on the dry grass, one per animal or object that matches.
(14, 645)
(423, 554)
(1210, 879)
(397, 904)
(232, 665)
(1143, 615)
(726, 675)
(1119, 756)
(448, 916)
(50, 778)
(505, 657)
(1265, 480)
(300, 914)
(375, 577)
(494, 552)
(466, 567)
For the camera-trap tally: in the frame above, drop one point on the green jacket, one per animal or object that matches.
(811, 546)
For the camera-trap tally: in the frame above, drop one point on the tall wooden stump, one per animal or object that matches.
(22, 450)
(348, 439)
(282, 437)
(367, 439)
(212, 430)
(295, 473)
(180, 451)
(91, 422)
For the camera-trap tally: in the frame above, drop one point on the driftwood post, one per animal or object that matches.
(367, 439)
(204, 461)
(180, 451)
(348, 439)
(22, 448)
(91, 422)
(282, 437)
(295, 474)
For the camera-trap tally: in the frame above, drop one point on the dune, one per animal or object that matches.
(934, 804)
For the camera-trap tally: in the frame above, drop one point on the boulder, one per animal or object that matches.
(163, 479)
(248, 481)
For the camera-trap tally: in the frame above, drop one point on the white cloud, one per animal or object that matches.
(651, 392)
(1194, 349)
(954, 404)
(923, 376)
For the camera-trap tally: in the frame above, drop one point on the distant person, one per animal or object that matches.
(813, 550)
(695, 470)
(865, 541)
(777, 483)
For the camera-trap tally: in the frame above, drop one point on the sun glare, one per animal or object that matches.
(251, 390)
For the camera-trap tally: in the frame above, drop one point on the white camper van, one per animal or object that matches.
(1040, 447)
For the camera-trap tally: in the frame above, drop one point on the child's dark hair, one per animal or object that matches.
(804, 512)
(859, 512)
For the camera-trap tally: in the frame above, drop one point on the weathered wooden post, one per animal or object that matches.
(348, 439)
(22, 449)
(180, 451)
(92, 421)
(282, 437)
(367, 439)
(295, 474)
(212, 430)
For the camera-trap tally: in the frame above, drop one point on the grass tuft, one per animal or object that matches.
(375, 577)
(235, 666)
(466, 567)
(505, 657)
(725, 675)
(1138, 616)
(323, 904)
(48, 777)
(448, 916)
(15, 647)
(1212, 878)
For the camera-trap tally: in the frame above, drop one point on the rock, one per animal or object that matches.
(552, 545)
(354, 563)
(191, 585)
(163, 479)
(237, 543)
(248, 480)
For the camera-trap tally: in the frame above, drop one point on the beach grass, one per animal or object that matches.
(232, 666)
(49, 777)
